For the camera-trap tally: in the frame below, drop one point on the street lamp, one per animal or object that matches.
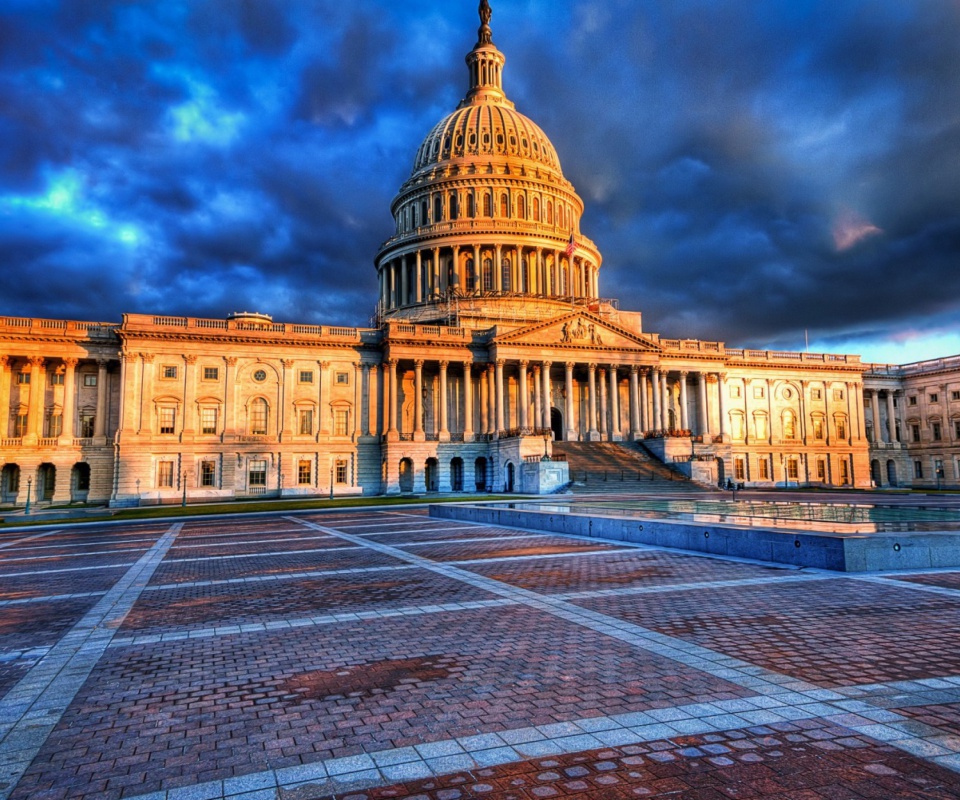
(183, 482)
(138, 492)
(331, 481)
(29, 487)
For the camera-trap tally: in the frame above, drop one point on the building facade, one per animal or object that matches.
(492, 341)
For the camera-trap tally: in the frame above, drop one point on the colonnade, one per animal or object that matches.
(891, 428)
(418, 276)
(32, 429)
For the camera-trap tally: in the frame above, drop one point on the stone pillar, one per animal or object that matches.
(324, 408)
(657, 399)
(444, 422)
(357, 400)
(634, 402)
(644, 402)
(501, 422)
(477, 271)
(702, 404)
(5, 380)
(593, 434)
(537, 405)
(497, 269)
(468, 434)
(435, 268)
(604, 407)
(70, 397)
(891, 417)
(545, 374)
(492, 397)
(188, 425)
(484, 403)
(390, 404)
(569, 413)
(722, 405)
(367, 397)
(418, 434)
(100, 423)
(615, 433)
(229, 390)
(419, 281)
(875, 414)
(523, 397)
(35, 406)
(684, 414)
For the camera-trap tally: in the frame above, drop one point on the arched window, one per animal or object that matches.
(760, 426)
(841, 423)
(471, 276)
(536, 209)
(549, 212)
(259, 415)
(416, 216)
(437, 208)
(505, 270)
(471, 206)
(789, 425)
(488, 274)
(524, 275)
(504, 206)
(737, 427)
(487, 205)
(423, 212)
(521, 207)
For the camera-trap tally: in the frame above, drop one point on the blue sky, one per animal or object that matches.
(751, 170)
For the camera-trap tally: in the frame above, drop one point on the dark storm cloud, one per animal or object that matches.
(751, 170)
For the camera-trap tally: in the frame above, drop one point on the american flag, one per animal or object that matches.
(571, 246)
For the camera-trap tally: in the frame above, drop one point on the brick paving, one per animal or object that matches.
(368, 655)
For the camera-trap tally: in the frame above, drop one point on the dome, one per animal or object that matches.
(486, 130)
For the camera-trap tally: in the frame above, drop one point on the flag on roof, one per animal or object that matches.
(571, 246)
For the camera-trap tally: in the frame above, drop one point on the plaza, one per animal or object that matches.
(387, 653)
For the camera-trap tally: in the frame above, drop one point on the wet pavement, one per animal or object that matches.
(385, 654)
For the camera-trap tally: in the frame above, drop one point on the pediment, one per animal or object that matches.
(579, 330)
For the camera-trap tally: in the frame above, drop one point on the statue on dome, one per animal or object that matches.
(486, 35)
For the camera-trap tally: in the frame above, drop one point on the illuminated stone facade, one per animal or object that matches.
(492, 341)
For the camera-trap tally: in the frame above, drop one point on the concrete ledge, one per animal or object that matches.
(831, 551)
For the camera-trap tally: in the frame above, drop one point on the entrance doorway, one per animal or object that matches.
(46, 482)
(80, 482)
(10, 483)
(406, 475)
(875, 472)
(432, 475)
(510, 477)
(480, 473)
(456, 474)
(556, 424)
(892, 473)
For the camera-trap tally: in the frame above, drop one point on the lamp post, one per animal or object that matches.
(29, 488)
(138, 492)
(183, 483)
(331, 481)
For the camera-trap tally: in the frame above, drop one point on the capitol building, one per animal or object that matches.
(495, 341)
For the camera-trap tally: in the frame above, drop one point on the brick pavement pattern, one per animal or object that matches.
(368, 655)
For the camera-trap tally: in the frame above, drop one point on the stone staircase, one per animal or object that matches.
(619, 468)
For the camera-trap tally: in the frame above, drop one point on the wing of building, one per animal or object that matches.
(493, 341)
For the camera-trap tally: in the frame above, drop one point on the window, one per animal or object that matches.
(23, 378)
(168, 373)
(760, 424)
(343, 378)
(487, 275)
(20, 426)
(505, 275)
(306, 376)
(208, 420)
(841, 428)
(956, 428)
(739, 469)
(955, 395)
(912, 401)
(757, 392)
(165, 474)
(208, 473)
(816, 394)
(88, 424)
(821, 470)
(793, 469)
(54, 425)
(211, 373)
(258, 473)
(844, 473)
(306, 421)
(934, 398)
(735, 391)
(764, 466)
(736, 423)
(304, 473)
(168, 420)
(258, 417)
(917, 469)
(937, 432)
(915, 432)
(487, 205)
(56, 379)
(260, 376)
(838, 394)
(341, 418)
(789, 425)
(341, 470)
(818, 427)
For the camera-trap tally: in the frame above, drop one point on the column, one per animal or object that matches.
(444, 422)
(324, 409)
(35, 407)
(70, 397)
(667, 397)
(390, 403)
(418, 434)
(435, 269)
(100, 423)
(545, 374)
(4, 396)
(492, 398)
(497, 270)
(684, 414)
(657, 399)
(523, 397)
(501, 423)
(875, 414)
(569, 412)
(634, 402)
(704, 427)
(419, 279)
(891, 417)
(188, 423)
(484, 403)
(537, 405)
(359, 371)
(644, 402)
(601, 380)
(467, 401)
(392, 284)
(722, 405)
(229, 386)
(592, 434)
(615, 434)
